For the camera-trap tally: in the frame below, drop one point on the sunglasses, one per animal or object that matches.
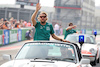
(43, 16)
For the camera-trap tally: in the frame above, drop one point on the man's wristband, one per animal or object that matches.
(61, 40)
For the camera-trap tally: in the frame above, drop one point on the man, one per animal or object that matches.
(64, 52)
(43, 29)
(70, 30)
(28, 35)
(56, 29)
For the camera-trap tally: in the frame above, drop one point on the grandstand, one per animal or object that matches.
(18, 12)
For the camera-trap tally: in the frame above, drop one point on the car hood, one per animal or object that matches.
(37, 63)
(87, 46)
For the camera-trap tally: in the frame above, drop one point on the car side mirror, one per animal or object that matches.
(7, 57)
(85, 61)
(98, 43)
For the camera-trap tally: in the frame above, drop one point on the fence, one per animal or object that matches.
(16, 35)
(11, 36)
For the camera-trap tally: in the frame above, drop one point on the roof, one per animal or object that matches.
(45, 9)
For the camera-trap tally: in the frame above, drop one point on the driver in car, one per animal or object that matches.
(65, 53)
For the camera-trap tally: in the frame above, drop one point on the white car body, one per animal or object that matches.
(27, 63)
(88, 50)
(48, 63)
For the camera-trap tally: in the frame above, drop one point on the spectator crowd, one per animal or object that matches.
(13, 23)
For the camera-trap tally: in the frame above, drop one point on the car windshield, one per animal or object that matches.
(75, 39)
(47, 51)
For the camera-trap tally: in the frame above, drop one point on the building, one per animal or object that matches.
(80, 12)
(15, 11)
(97, 17)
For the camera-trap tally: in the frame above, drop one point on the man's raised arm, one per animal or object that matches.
(38, 7)
(70, 27)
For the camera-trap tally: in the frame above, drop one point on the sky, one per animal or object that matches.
(49, 3)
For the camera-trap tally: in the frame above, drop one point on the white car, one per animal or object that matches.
(90, 49)
(48, 54)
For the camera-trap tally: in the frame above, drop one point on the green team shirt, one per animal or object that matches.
(69, 32)
(42, 32)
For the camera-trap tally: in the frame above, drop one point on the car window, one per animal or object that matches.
(64, 52)
(87, 39)
(92, 39)
(72, 38)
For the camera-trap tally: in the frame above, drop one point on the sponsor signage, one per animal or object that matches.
(19, 34)
(6, 37)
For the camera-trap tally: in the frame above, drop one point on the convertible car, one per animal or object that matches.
(48, 54)
(90, 49)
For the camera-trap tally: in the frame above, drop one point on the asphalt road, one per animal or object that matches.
(12, 49)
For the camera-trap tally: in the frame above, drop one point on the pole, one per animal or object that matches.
(38, 1)
(5, 13)
(18, 15)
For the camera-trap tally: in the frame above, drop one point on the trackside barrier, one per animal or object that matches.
(98, 32)
(5, 37)
(16, 35)
(89, 31)
(78, 30)
(19, 35)
(23, 33)
(64, 30)
(1, 32)
(13, 35)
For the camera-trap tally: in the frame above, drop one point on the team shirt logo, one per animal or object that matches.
(41, 27)
(47, 28)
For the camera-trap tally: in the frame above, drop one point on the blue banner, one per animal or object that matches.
(6, 37)
(83, 31)
(19, 34)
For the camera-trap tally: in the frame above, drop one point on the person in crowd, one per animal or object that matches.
(61, 30)
(64, 52)
(25, 23)
(28, 35)
(57, 27)
(29, 24)
(42, 27)
(5, 23)
(1, 25)
(1, 20)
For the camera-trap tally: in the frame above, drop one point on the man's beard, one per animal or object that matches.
(43, 22)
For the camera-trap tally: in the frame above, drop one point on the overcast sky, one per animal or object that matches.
(43, 2)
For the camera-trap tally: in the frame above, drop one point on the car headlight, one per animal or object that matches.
(92, 50)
